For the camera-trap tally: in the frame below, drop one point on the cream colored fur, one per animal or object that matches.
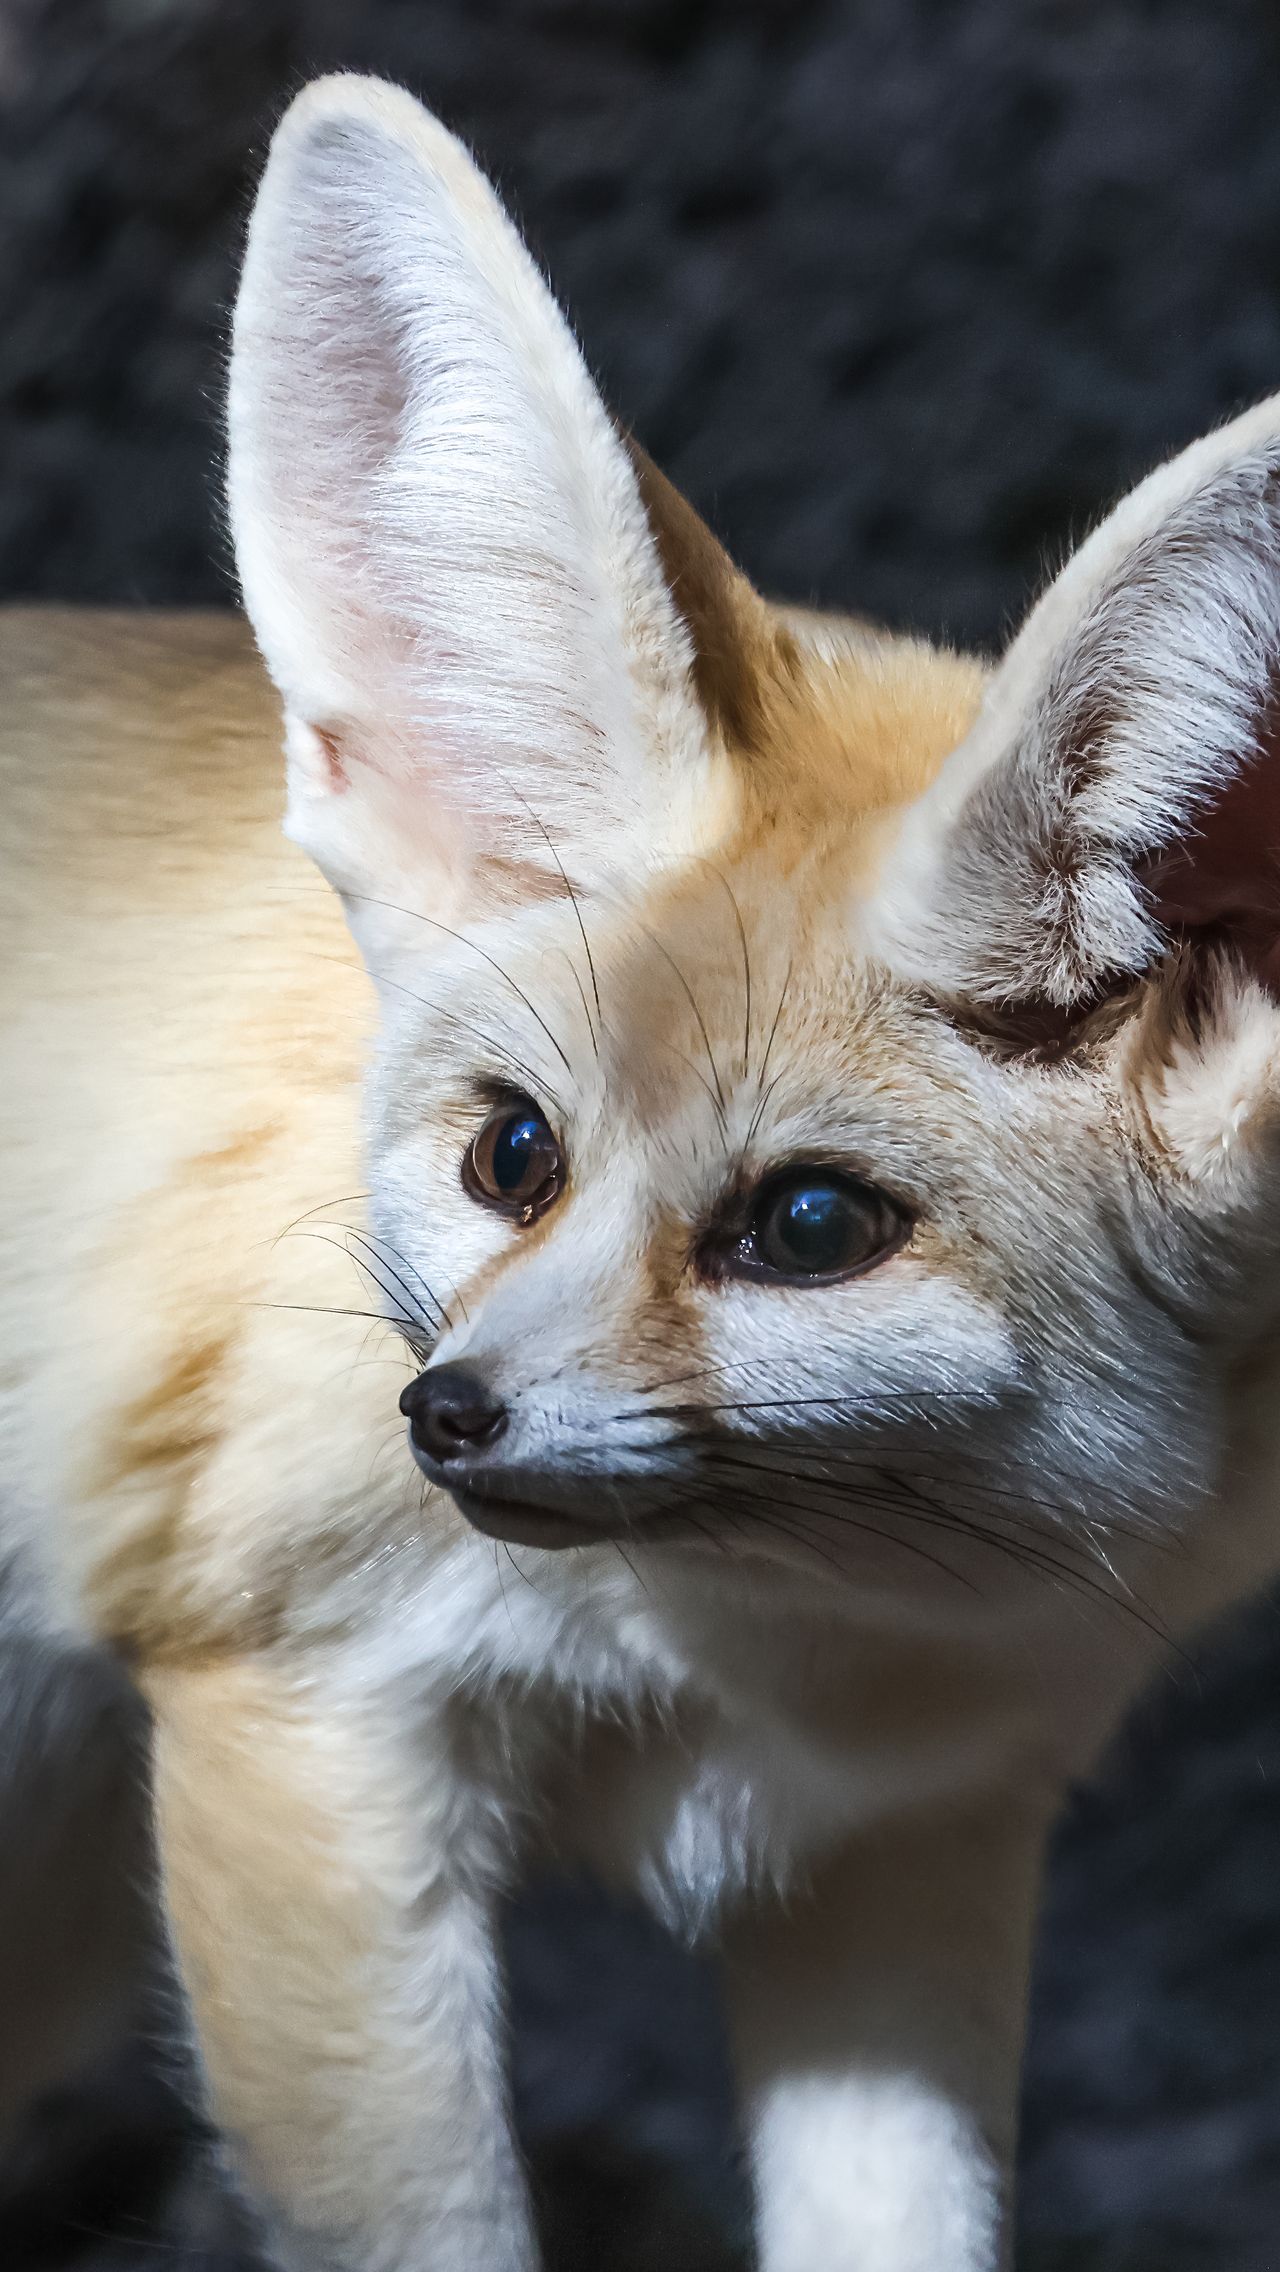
(868, 1569)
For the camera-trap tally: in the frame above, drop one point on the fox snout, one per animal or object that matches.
(453, 1414)
(457, 1421)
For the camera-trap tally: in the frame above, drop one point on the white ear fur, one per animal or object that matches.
(1210, 1095)
(1135, 692)
(439, 534)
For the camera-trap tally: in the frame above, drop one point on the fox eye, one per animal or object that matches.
(514, 1163)
(815, 1223)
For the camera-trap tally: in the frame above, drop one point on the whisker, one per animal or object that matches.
(372, 1269)
(698, 1075)
(746, 965)
(1028, 1552)
(860, 1461)
(531, 1079)
(401, 1325)
(576, 976)
(375, 1246)
(769, 1519)
(1057, 1511)
(415, 915)
(630, 1565)
(502, 1585)
(415, 1316)
(893, 1491)
(765, 1094)
(898, 1399)
(1014, 1550)
(325, 1309)
(594, 1031)
(856, 1522)
(506, 1548)
(687, 1515)
(347, 1199)
(701, 1021)
(457, 1295)
(704, 1372)
(758, 1115)
(741, 1364)
(428, 1289)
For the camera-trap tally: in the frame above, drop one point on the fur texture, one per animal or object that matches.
(862, 1568)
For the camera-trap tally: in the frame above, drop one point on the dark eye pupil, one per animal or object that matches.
(812, 1228)
(520, 1151)
(514, 1162)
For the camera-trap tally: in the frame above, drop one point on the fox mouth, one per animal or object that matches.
(482, 1496)
(504, 1514)
(519, 1522)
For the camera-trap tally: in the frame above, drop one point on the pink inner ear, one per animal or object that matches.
(335, 762)
(1224, 875)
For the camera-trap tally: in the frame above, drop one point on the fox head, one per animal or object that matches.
(826, 1101)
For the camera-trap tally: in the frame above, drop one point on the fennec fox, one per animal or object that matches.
(818, 1108)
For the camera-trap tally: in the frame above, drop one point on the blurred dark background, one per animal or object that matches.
(902, 292)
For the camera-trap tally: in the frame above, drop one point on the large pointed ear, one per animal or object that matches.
(1120, 793)
(440, 535)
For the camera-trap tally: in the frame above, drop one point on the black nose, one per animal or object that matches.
(451, 1410)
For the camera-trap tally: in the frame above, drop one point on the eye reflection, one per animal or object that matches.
(514, 1163)
(810, 1224)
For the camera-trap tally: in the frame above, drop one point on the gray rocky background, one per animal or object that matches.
(902, 291)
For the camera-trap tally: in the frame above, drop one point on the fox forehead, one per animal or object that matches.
(728, 981)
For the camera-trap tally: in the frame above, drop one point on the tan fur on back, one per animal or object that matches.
(184, 1023)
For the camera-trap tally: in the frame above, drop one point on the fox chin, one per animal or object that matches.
(766, 1131)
